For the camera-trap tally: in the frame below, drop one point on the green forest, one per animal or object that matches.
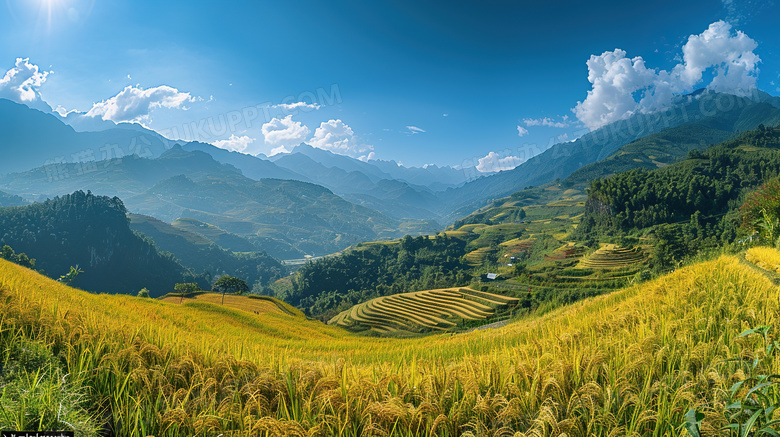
(687, 207)
(90, 232)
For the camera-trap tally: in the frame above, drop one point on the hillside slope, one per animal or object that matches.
(632, 362)
(91, 232)
(204, 256)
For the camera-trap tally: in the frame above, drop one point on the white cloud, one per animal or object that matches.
(284, 132)
(298, 105)
(445, 115)
(616, 79)
(521, 131)
(546, 121)
(415, 130)
(278, 150)
(21, 83)
(235, 143)
(337, 137)
(731, 55)
(493, 162)
(134, 104)
(64, 112)
(370, 157)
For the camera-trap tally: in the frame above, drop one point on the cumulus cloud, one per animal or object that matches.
(298, 105)
(731, 55)
(134, 104)
(521, 131)
(21, 83)
(278, 150)
(336, 136)
(370, 157)
(616, 79)
(546, 121)
(283, 133)
(235, 143)
(493, 162)
(415, 130)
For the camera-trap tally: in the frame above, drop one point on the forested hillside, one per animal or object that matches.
(691, 205)
(90, 232)
(333, 284)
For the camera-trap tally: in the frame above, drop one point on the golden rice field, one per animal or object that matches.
(610, 256)
(477, 257)
(765, 258)
(422, 310)
(631, 363)
(251, 303)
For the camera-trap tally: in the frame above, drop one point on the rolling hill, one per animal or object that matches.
(255, 304)
(205, 257)
(303, 218)
(635, 361)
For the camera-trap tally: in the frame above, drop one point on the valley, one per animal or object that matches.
(550, 294)
(395, 219)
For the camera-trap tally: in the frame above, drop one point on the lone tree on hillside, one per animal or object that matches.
(230, 284)
(185, 288)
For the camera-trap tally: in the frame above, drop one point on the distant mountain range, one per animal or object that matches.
(31, 139)
(287, 218)
(311, 201)
(720, 115)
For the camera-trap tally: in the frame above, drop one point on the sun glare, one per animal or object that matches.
(48, 15)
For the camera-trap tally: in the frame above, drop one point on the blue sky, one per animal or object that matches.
(418, 82)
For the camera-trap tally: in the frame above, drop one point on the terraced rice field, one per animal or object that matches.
(430, 310)
(611, 256)
(477, 257)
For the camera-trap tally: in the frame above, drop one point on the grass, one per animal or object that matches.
(633, 362)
